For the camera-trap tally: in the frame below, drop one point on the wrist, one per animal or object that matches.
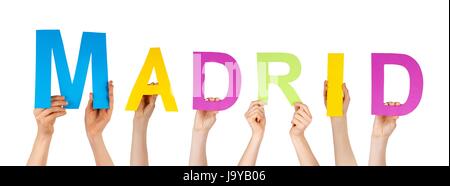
(296, 134)
(378, 138)
(43, 137)
(338, 119)
(140, 121)
(200, 132)
(258, 135)
(141, 125)
(93, 138)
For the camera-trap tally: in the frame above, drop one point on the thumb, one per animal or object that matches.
(90, 102)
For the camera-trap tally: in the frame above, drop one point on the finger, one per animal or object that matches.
(51, 110)
(306, 110)
(257, 107)
(57, 98)
(105, 113)
(152, 98)
(89, 105)
(59, 103)
(111, 96)
(346, 93)
(295, 121)
(255, 117)
(396, 104)
(325, 88)
(252, 112)
(261, 115)
(57, 114)
(259, 112)
(300, 119)
(37, 111)
(304, 122)
(150, 101)
(297, 116)
(304, 114)
(142, 103)
(297, 105)
(257, 104)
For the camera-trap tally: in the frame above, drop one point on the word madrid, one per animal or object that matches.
(93, 49)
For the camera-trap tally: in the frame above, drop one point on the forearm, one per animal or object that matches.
(342, 147)
(304, 152)
(378, 151)
(101, 154)
(198, 148)
(139, 154)
(39, 154)
(251, 152)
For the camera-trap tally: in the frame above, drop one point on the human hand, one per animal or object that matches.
(145, 110)
(346, 98)
(97, 119)
(139, 153)
(205, 119)
(256, 118)
(301, 119)
(45, 118)
(383, 126)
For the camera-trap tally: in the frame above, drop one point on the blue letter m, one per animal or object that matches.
(91, 44)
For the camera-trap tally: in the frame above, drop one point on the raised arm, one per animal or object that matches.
(383, 126)
(257, 120)
(204, 120)
(343, 153)
(45, 119)
(95, 121)
(300, 121)
(139, 154)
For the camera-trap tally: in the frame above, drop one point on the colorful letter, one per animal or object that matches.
(415, 84)
(141, 87)
(91, 44)
(335, 81)
(282, 81)
(234, 83)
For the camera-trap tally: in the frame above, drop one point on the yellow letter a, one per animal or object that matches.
(141, 87)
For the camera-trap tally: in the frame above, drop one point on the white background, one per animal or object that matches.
(308, 29)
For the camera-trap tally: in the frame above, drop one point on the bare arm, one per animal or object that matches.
(383, 127)
(300, 121)
(204, 120)
(45, 119)
(139, 153)
(95, 121)
(343, 152)
(256, 118)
